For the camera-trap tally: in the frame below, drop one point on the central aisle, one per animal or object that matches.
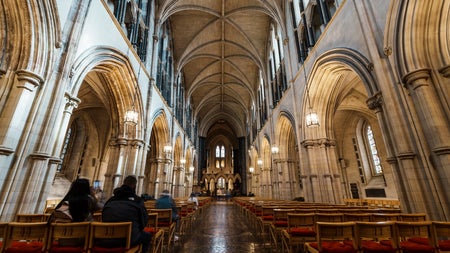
(222, 230)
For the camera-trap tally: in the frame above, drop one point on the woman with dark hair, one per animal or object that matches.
(78, 204)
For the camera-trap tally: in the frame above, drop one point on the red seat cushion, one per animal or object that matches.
(444, 245)
(25, 247)
(375, 247)
(108, 250)
(420, 240)
(267, 217)
(302, 232)
(163, 224)
(64, 249)
(334, 247)
(408, 246)
(280, 223)
(151, 230)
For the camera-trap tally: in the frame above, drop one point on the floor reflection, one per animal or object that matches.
(222, 230)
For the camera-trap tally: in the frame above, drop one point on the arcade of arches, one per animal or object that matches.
(319, 100)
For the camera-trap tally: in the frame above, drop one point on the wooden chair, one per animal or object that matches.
(3, 228)
(279, 222)
(330, 217)
(97, 216)
(31, 217)
(376, 237)
(165, 222)
(68, 237)
(25, 237)
(442, 235)
(357, 217)
(413, 217)
(300, 229)
(385, 217)
(157, 233)
(111, 237)
(157, 242)
(334, 237)
(416, 236)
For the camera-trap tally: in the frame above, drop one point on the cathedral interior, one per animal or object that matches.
(317, 100)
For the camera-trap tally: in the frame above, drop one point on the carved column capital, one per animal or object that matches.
(323, 142)
(71, 102)
(416, 78)
(445, 71)
(375, 102)
(28, 80)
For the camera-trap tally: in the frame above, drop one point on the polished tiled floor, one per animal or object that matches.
(222, 230)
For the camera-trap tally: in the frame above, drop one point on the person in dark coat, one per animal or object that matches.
(125, 205)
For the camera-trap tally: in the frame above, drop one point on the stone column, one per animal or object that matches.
(15, 113)
(324, 175)
(434, 123)
(167, 174)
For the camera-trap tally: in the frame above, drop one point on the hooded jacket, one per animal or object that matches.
(125, 205)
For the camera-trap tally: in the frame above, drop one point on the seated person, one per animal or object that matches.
(125, 205)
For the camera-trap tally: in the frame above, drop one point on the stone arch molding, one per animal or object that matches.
(321, 81)
(412, 38)
(160, 127)
(122, 83)
(31, 27)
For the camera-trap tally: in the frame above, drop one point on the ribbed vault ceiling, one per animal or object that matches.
(220, 47)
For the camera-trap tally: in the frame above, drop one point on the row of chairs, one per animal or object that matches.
(188, 215)
(287, 218)
(369, 237)
(91, 237)
(373, 202)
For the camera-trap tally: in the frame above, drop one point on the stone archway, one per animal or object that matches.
(158, 162)
(286, 159)
(344, 77)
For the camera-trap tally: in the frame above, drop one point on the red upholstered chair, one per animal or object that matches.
(265, 221)
(3, 228)
(157, 233)
(111, 237)
(442, 235)
(416, 236)
(165, 223)
(279, 223)
(70, 237)
(29, 237)
(372, 234)
(338, 237)
(301, 228)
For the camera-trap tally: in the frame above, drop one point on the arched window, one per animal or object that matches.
(275, 61)
(220, 157)
(367, 152)
(66, 147)
(377, 169)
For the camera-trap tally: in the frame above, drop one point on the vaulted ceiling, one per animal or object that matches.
(220, 46)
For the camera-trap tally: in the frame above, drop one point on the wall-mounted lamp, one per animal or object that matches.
(312, 119)
(183, 161)
(251, 170)
(167, 149)
(191, 169)
(275, 150)
(259, 162)
(131, 115)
